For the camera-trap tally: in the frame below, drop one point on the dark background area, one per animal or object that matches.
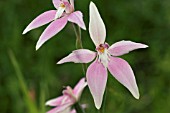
(145, 21)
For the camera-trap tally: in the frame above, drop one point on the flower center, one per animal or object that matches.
(69, 92)
(101, 49)
(62, 5)
(103, 54)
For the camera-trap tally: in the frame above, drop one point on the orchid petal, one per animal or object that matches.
(77, 17)
(72, 3)
(122, 71)
(123, 47)
(57, 3)
(79, 56)
(55, 102)
(41, 20)
(79, 88)
(51, 30)
(96, 80)
(96, 26)
(61, 108)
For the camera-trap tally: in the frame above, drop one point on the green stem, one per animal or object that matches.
(28, 101)
(78, 37)
(79, 44)
(78, 108)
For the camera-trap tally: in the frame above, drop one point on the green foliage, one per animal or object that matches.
(39, 78)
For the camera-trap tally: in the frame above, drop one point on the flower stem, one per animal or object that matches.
(78, 108)
(79, 44)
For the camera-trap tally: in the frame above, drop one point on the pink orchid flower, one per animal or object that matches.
(70, 96)
(58, 18)
(106, 59)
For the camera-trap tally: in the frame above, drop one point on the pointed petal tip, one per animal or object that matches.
(59, 62)
(24, 32)
(84, 28)
(145, 46)
(91, 3)
(47, 103)
(135, 93)
(137, 96)
(98, 106)
(37, 47)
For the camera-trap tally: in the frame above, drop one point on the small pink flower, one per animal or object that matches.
(70, 96)
(106, 59)
(58, 18)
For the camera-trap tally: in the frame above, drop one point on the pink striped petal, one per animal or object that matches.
(122, 71)
(51, 30)
(123, 47)
(96, 80)
(79, 56)
(55, 102)
(60, 109)
(79, 88)
(41, 20)
(96, 26)
(77, 17)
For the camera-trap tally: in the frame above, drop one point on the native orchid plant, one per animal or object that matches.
(64, 12)
(106, 57)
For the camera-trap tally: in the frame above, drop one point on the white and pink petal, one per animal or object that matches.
(122, 71)
(96, 79)
(97, 28)
(77, 18)
(51, 30)
(41, 20)
(79, 88)
(123, 47)
(79, 56)
(55, 102)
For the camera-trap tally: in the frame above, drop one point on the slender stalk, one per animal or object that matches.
(78, 108)
(28, 101)
(78, 37)
(79, 44)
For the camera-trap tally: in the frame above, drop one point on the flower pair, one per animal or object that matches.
(58, 18)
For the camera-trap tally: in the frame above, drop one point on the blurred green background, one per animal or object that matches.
(145, 21)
